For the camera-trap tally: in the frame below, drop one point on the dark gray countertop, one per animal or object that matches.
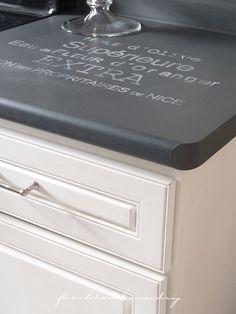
(165, 95)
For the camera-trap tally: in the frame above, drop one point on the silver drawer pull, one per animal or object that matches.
(22, 192)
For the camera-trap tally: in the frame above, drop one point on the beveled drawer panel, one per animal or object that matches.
(114, 207)
(77, 200)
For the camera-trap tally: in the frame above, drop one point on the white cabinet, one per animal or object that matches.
(117, 209)
(104, 224)
(31, 286)
(42, 272)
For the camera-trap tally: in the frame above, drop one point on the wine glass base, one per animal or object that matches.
(112, 27)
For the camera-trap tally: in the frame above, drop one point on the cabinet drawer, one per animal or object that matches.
(54, 278)
(120, 209)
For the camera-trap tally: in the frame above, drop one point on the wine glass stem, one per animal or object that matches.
(100, 3)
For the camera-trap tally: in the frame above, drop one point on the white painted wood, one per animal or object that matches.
(31, 286)
(203, 269)
(71, 198)
(120, 210)
(37, 268)
(204, 252)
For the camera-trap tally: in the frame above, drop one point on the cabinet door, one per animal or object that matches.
(44, 273)
(30, 286)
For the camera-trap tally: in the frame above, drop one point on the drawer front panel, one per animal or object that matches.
(72, 198)
(116, 208)
(54, 277)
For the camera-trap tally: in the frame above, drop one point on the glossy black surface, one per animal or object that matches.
(9, 20)
(31, 7)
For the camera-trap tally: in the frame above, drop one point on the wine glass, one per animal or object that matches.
(100, 22)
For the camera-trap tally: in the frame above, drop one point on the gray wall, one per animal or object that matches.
(209, 14)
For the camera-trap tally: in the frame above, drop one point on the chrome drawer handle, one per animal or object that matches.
(22, 192)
